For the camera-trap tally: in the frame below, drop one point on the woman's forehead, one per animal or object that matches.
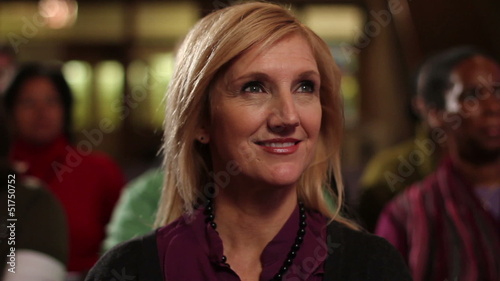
(287, 51)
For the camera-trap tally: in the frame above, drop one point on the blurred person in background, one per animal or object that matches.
(40, 240)
(448, 225)
(8, 64)
(393, 169)
(86, 182)
(135, 211)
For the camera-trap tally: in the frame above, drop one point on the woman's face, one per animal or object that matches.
(38, 111)
(266, 113)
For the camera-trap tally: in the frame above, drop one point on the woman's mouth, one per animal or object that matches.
(280, 146)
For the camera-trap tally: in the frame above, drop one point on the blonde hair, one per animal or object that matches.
(208, 48)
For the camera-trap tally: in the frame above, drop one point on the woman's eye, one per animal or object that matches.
(253, 87)
(306, 87)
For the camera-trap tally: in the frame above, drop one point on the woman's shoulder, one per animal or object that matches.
(136, 259)
(357, 255)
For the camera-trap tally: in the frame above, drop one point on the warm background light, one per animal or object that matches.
(58, 13)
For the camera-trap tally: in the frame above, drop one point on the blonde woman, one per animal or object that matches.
(252, 139)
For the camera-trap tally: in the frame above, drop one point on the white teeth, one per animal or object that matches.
(279, 144)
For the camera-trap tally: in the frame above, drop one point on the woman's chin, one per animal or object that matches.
(285, 176)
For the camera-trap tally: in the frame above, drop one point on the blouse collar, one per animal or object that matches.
(207, 242)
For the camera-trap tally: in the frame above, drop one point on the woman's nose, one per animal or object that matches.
(284, 116)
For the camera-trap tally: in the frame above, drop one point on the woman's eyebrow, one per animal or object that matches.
(261, 76)
(255, 75)
(309, 74)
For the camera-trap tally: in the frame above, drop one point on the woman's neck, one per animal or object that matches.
(244, 211)
(248, 221)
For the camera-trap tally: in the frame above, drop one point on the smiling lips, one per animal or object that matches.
(280, 146)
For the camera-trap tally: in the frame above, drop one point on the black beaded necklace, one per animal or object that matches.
(209, 212)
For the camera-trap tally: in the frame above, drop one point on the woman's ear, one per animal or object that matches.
(203, 136)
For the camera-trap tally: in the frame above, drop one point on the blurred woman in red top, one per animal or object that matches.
(87, 183)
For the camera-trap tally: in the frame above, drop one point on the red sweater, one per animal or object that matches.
(88, 186)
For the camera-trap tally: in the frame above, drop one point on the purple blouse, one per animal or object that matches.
(190, 249)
